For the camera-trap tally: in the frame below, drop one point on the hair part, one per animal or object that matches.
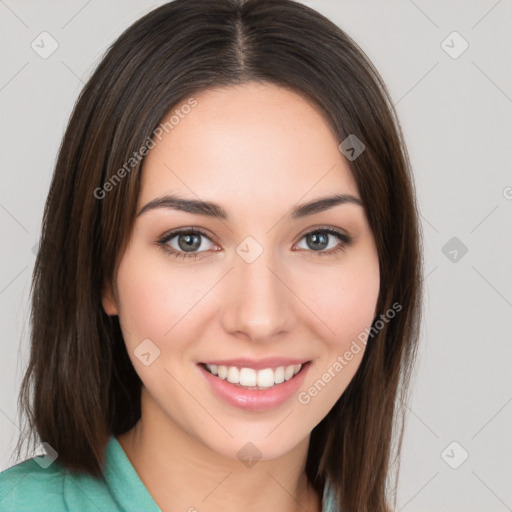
(80, 386)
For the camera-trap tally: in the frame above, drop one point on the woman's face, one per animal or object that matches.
(262, 289)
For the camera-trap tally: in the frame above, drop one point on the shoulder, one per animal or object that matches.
(28, 486)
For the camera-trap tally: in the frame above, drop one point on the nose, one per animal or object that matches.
(258, 305)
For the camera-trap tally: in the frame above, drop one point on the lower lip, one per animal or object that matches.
(254, 399)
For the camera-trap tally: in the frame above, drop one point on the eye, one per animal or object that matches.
(185, 243)
(190, 242)
(325, 238)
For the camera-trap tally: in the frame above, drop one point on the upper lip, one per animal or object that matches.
(257, 364)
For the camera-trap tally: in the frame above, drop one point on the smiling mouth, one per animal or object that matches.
(250, 378)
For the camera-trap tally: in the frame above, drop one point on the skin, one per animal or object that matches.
(258, 150)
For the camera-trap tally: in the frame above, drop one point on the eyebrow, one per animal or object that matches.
(214, 210)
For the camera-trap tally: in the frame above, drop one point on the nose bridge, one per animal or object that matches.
(258, 303)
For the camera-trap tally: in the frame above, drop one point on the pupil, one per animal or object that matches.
(316, 238)
(191, 242)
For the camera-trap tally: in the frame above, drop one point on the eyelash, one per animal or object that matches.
(162, 243)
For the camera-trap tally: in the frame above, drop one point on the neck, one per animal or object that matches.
(182, 473)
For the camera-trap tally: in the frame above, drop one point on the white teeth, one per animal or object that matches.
(279, 375)
(233, 375)
(288, 372)
(249, 377)
(266, 378)
(222, 372)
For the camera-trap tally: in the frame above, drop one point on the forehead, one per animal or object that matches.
(252, 144)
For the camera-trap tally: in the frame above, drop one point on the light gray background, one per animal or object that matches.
(456, 114)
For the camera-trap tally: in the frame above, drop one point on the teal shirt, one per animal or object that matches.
(28, 487)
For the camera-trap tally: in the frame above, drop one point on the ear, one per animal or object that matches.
(108, 301)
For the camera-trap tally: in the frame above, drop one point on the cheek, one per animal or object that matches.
(344, 296)
(346, 301)
(152, 298)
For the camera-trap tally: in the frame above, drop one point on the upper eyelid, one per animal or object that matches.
(171, 234)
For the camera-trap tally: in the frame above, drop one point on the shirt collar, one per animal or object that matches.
(329, 498)
(124, 482)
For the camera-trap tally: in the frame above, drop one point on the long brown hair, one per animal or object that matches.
(80, 386)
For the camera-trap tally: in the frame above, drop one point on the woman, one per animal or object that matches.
(226, 298)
